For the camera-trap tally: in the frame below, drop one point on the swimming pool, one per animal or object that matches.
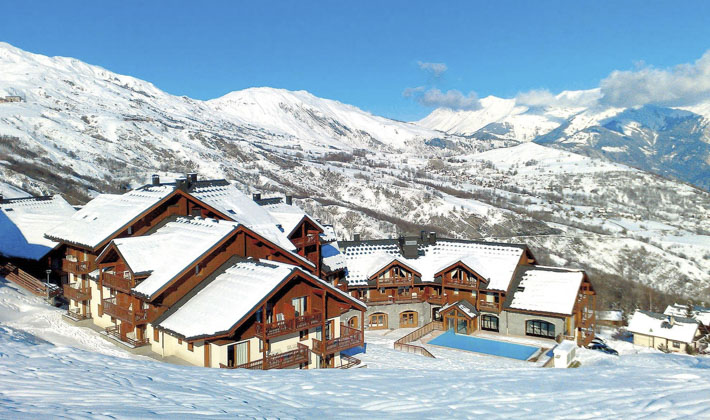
(485, 346)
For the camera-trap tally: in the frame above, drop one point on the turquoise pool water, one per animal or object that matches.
(485, 346)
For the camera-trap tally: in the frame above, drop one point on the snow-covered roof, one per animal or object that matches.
(494, 262)
(288, 216)
(610, 315)
(23, 222)
(464, 306)
(546, 289)
(10, 191)
(699, 313)
(107, 214)
(663, 326)
(333, 259)
(171, 249)
(227, 299)
(233, 203)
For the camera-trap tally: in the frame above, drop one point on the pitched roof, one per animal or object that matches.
(494, 262)
(699, 313)
(233, 203)
(663, 326)
(545, 289)
(464, 306)
(223, 303)
(106, 215)
(333, 259)
(170, 250)
(23, 222)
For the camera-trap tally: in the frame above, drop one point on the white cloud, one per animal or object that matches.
(684, 84)
(452, 99)
(545, 98)
(436, 69)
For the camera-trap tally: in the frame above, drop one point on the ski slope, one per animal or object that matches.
(51, 369)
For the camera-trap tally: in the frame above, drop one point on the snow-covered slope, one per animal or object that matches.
(49, 368)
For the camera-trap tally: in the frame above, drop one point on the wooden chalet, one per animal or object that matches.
(469, 285)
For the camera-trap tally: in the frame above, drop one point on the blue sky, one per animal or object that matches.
(364, 53)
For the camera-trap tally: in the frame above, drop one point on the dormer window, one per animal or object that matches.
(130, 230)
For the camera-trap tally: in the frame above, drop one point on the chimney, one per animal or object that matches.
(181, 183)
(432, 238)
(1, 197)
(155, 179)
(192, 177)
(356, 237)
(409, 247)
(289, 200)
(256, 196)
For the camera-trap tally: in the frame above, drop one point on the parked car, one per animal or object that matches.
(603, 348)
(598, 340)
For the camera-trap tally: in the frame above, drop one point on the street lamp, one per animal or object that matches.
(48, 273)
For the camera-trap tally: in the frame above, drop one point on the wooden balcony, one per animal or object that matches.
(305, 241)
(287, 326)
(346, 362)
(116, 281)
(77, 295)
(112, 309)
(78, 267)
(460, 282)
(436, 300)
(77, 316)
(349, 338)
(489, 306)
(395, 281)
(276, 361)
(115, 333)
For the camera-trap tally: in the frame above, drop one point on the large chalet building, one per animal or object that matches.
(197, 270)
(469, 285)
(155, 265)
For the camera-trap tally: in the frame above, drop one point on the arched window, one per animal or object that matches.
(352, 322)
(378, 321)
(408, 319)
(489, 323)
(538, 328)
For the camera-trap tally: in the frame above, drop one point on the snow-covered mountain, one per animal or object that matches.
(82, 129)
(666, 141)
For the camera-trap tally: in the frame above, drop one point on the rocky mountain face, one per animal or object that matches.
(81, 129)
(666, 141)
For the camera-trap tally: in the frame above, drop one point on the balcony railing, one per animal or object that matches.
(349, 338)
(436, 300)
(77, 295)
(305, 241)
(394, 281)
(116, 333)
(287, 326)
(111, 308)
(460, 282)
(489, 306)
(78, 267)
(76, 315)
(116, 281)
(346, 362)
(277, 361)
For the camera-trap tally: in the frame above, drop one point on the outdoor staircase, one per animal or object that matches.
(27, 281)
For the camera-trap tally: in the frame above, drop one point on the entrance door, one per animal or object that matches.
(238, 354)
(451, 323)
(462, 326)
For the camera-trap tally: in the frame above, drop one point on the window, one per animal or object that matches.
(190, 347)
(378, 321)
(676, 344)
(489, 323)
(299, 304)
(180, 341)
(539, 328)
(303, 335)
(352, 322)
(408, 319)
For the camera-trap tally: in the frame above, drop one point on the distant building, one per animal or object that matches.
(651, 329)
(700, 314)
(11, 99)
